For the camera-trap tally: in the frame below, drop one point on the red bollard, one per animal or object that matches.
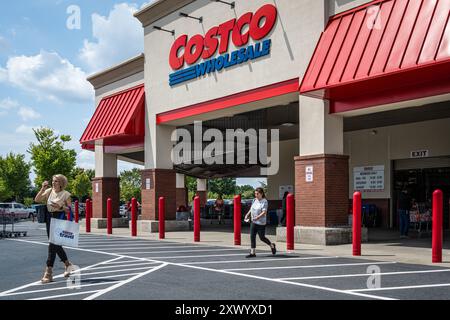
(77, 211)
(437, 226)
(290, 218)
(237, 220)
(134, 217)
(197, 219)
(88, 215)
(109, 216)
(162, 218)
(357, 208)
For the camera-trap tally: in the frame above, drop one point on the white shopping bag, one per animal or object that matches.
(64, 233)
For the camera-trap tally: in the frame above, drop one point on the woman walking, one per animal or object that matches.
(58, 202)
(258, 214)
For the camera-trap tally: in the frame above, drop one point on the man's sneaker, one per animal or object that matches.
(251, 255)
(274, 249)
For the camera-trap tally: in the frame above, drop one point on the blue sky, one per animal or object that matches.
(44, 65)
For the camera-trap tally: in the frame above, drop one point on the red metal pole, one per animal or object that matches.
(88, 215)
(357, 208)
(290, 218)
(197, 219)
(77, 211)
(109, 216)
(162, 218)
(237, 220)
(437, 226)
(134, 217)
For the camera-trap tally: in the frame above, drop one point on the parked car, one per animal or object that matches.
(81, 209)
(32, 213)
(18, 209)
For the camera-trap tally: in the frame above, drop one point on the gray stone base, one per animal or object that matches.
(321, 236)
(151, 226)
(102, 223)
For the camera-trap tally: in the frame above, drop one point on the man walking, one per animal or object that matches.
(404, 206)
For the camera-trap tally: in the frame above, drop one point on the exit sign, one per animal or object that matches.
(420, 154)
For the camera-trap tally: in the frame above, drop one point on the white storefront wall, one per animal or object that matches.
(380, 146)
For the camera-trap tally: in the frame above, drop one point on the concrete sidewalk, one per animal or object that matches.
(412, 251)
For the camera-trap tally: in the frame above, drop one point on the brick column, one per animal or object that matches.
(324, 201)
(158, 183)
(181, 197)
(102, 189)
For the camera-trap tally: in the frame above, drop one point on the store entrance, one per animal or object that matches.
(421, 184)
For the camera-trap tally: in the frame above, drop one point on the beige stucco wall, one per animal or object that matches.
(286, 174)
(293, 40)
(395, 143)
(115, 87)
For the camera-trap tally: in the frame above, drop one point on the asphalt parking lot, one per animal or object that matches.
(114, 268)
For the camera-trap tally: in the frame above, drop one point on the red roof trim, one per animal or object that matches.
(413, 36)
(258, 94)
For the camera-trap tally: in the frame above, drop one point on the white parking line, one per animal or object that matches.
(113, 276)
(125, 261)
(141, 248)
(259, 260)
(285, 282)
(180, 251)
(126, 245)
(198, 256)
(112, 271)
(65, 295)
(311, 266)
(365, 274)
(61, 288)
(402, 287)
(102, 292)
(56, 277)
(125, 265)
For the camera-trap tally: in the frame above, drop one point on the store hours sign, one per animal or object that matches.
(368, 178)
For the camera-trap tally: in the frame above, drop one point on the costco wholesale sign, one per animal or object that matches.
(185, 50)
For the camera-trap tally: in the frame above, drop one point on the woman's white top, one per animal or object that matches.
(55, 197)
(257, 208)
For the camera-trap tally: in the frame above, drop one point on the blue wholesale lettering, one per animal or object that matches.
(222, 62)
(67, 235)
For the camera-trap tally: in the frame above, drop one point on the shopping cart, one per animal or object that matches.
(9, 219)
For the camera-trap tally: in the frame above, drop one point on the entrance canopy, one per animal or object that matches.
(118, 121)
(383, 52)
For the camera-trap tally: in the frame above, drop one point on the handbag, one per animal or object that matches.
(42, 213)
(64, 232)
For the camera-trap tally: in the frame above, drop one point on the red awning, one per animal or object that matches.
(118, 120)
(383, 52)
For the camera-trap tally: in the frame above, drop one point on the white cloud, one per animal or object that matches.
(49, 77)
(28, 114)
(3, 75)
(8, 104)
(86, 160)
(25, 130)
(118, 37)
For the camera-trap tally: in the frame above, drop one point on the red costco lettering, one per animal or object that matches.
(259, 25)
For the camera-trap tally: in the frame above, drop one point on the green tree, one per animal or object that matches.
(50, 157)
(14, 176)
(224, 186)
(130, 185)
(246, 191)
(81, 184)
(28, 201)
